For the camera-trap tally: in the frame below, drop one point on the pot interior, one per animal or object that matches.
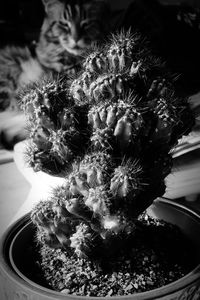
(23, 259)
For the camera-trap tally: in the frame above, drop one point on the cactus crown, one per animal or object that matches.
(109, 132)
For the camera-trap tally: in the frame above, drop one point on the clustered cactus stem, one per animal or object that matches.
(109, 133)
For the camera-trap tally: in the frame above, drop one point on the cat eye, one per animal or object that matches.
(64, 24)
(85, 24)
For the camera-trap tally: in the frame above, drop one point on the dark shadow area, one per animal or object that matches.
(20, 21)
(173, 32)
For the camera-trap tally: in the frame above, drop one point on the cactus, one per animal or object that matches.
(109, 132)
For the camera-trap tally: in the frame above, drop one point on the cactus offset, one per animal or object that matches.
(109, 132)
(54, 124)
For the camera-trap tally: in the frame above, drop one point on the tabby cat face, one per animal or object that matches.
(77, 24)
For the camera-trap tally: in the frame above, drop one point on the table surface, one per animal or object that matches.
(14, 189)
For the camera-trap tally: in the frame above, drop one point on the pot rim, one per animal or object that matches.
(12, 271)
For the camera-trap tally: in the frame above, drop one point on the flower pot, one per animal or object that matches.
(16, 262)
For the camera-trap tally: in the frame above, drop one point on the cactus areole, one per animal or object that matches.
(108, 132)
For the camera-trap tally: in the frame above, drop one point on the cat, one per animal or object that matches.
(69, 28)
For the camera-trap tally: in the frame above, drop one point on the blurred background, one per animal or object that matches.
(173, 26)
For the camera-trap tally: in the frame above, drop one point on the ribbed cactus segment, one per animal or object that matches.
(43, 215)
(43, 101)
(98, 201)
(95, 62)
(55, 224)
(115, 124)
(109, 132)
(120, 53)
(44, 160)
(97, 166)
(88, 184)
(81, 240)
(126, 179)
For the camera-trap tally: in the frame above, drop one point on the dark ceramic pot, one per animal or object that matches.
(17, 283)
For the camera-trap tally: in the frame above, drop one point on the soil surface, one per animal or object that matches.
(159, 254)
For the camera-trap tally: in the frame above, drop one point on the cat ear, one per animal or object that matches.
(52, 7)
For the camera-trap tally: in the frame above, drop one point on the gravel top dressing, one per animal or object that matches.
(159, 254)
